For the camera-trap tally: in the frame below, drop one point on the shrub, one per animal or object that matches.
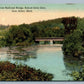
(78, 76)
(72, 45)
(12, 72)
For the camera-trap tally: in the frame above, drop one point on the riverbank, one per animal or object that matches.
(12, 72)
(45, 58)
(18, 52)
(17, 49)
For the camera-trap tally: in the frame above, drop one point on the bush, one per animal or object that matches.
(2, 42)
(78, 76)
(12, 72)
(72, 45)
(18, 35)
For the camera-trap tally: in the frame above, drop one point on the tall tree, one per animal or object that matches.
(70, 24)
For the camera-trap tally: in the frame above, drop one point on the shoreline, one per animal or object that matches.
(27, 48)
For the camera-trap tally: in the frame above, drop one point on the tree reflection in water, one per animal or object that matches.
(73, 63)
(21, 54)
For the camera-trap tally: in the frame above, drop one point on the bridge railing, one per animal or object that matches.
(49, 38)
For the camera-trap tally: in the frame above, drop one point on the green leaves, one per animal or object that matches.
(72, 45)
(78, 76)
(18, 35)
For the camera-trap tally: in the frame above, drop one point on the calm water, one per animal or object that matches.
(49, 59)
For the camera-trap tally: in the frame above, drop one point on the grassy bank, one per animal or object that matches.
(12, 72)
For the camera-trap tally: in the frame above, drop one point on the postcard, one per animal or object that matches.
(41, 42)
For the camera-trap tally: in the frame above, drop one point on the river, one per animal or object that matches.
(47, 58)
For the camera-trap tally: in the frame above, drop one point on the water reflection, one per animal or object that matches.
(17, 53)
(73, 63)
(47, 58)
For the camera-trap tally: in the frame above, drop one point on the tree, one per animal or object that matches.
(72, 45)
(70, 24)
(18, 35)
(78, 75)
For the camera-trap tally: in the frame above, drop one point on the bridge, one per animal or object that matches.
(51, 39)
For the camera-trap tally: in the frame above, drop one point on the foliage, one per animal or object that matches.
(70, 24)
(2, 27)
(80, 24)
(78, 75)
(50, 28)
(72, 45)
(18, 35)
(12, 72)
(2, 42)
(24, 34)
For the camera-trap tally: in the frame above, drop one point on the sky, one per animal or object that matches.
(9, 18)
(52, 11)
(39, 1)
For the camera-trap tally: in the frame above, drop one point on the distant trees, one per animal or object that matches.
(54, 32)
(18, 35)
(73, 44)
(70, 24)
(50, 28)
(80, 24)
(24, 34)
